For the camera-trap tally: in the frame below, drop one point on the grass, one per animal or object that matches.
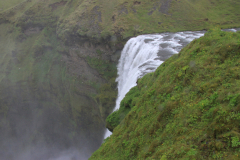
(33, 63)
(101, 19)
(4, 5)
(105, 68)
(183, 115)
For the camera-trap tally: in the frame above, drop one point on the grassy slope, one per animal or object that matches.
(4, 5)
(187, 109)
(124, 19)
(39, 55)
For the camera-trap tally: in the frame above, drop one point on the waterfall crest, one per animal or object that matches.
(144, 53)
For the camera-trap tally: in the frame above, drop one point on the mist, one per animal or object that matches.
(44, 153)
(37, 127)
(42, 139)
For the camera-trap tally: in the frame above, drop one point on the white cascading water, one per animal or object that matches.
(144, 53)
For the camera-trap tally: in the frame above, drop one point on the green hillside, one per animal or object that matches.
(189, 108)
(58, 62)
(5, 5)
(124, 19)
(116, 21)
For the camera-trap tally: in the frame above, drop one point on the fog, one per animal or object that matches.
(38, 153)
(24, 146)
(27, 144)
(39, 129)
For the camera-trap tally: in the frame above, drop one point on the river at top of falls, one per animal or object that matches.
(144, 53)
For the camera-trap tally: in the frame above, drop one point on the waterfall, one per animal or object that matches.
(144, 53)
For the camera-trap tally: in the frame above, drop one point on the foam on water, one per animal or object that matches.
(144, 53)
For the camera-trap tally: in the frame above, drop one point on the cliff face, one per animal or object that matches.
(58, 63)
(52, 91)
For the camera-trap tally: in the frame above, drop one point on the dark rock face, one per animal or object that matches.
(123, 9)
(30, 31)
(50, 103)
(165, 6)
(57, 4)
(162, 6)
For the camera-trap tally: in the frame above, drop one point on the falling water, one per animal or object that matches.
(144, 53)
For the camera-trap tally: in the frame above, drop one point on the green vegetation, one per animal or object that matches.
(187, 109)
(106, 69)
(102, 19)
(48, 68)
(4, 5)
(126, 105)
(107, 97)
(33, 72)
(38, 82)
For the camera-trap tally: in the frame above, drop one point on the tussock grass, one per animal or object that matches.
(187, 109)
(4, 5)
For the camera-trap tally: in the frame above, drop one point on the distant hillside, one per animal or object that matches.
(189, 108)
(118, 20)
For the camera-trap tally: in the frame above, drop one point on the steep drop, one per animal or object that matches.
(144, 53)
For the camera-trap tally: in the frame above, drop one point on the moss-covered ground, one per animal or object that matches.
(187, 109)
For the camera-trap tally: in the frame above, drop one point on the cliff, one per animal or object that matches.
(54, 94)
(58, 63)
